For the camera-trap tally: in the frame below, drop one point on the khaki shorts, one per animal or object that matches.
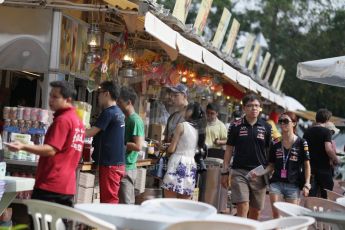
(244, 190)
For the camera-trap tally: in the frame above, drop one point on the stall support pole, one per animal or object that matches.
(52, 74)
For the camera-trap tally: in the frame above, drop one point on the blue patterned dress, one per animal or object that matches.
(181, 171)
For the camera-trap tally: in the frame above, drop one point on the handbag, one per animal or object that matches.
(159, 169)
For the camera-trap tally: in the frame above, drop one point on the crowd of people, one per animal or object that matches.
(290, 164)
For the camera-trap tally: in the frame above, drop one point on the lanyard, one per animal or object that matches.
(286, 158)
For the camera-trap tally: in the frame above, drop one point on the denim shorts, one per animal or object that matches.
(287, 190)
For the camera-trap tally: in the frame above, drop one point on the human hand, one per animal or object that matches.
(14, 146)
(225, 181)
(305, 191)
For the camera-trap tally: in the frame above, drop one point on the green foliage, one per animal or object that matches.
(296, 31)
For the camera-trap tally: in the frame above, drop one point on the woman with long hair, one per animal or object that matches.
(288, 159)
(180, 178)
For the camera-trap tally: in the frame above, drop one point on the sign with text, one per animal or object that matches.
(269, 71)
(181, 10)
(201, 18)
(277, 76)
(282, 76)
(247, 48)
(230, 42)
(264, 64)
(254, 56)
(221, 29)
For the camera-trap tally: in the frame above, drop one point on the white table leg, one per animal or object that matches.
(6, 200)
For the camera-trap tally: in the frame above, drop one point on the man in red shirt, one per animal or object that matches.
(61, 151)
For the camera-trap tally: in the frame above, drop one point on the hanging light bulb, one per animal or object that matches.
(183, 79)
(127, 70)
(94, 35)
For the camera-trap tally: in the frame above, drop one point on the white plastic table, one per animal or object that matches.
(13, 185)
(134, 217)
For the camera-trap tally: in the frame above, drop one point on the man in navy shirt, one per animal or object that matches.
(108, 133)
(248, 140)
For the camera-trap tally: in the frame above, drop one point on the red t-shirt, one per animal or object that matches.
(58, 173)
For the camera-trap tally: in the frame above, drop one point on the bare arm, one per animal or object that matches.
(92, 131)
(227, 156)
(136, 145)
(41, 150)
(307, 172)
(331, 153)
(177, 134)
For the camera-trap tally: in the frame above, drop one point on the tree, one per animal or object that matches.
(296, 31)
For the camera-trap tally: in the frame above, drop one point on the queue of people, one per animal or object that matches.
(291, 164)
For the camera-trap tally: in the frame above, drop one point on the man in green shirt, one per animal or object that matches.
(134, 138)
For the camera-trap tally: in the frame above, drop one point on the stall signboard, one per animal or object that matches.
(229, 45)
(73, 46)
(280, 82)
(269, 71)
(201, 18)
(247, 48)
(277, 76)
(181, 10)
(221, 29)
(254, 56)
(264, 64)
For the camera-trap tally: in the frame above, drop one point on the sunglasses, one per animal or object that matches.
(284, 121)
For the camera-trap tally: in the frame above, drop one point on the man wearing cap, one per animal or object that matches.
(179, 100)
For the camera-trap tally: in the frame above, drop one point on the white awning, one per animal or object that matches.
(253, 86)
(212, 60)
(243, 80)
(279, 100)
(293, 105)
(330, 71)
(264, 92)
(189, 49)
(160, 30)
(230, 72)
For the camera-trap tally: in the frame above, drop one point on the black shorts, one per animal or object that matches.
(40, 194)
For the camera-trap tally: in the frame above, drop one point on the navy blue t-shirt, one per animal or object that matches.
(110, 140)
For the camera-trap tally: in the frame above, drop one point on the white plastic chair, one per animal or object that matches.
(333, 196)
(221, 224)
(341, 201)
(48, 215)
(288, 223)
(288, 209)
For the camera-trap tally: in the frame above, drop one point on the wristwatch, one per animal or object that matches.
(308, 186)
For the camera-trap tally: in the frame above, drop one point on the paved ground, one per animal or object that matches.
(267, 212)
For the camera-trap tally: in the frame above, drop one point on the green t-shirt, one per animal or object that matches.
(134, 127)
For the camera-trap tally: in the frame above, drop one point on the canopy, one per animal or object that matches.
(310, 115)
(293, 105)
(330, 71)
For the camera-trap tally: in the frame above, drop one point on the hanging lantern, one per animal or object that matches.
(127, 70)
(94, 36)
